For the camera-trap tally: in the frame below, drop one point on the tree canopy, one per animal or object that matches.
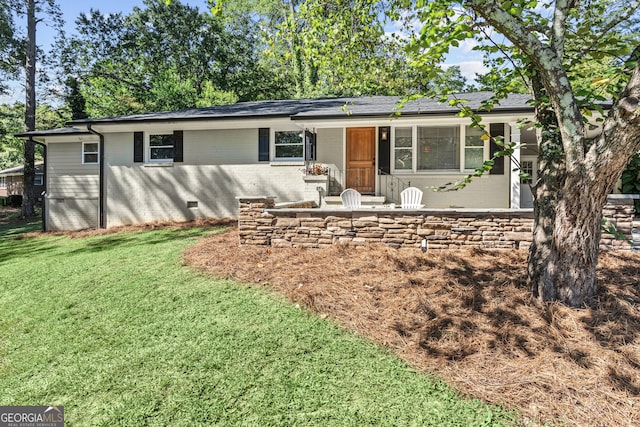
(10, 54)
(164, 57)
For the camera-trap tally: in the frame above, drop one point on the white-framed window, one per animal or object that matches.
(474, 147)
(403, 148)
(161, 147)
(453, 148)
(289, 145)
(526, 167)
(38, 180)
(90, 153)
(3, 182)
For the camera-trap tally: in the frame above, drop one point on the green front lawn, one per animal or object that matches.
(11, 223)
(119, 332)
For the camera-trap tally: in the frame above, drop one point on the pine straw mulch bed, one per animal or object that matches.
(468, 317)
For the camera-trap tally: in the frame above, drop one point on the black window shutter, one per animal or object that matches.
(496, 129)
(309, 146)
(138, 147)
(178, 138)
(263, 144)
(384, 149)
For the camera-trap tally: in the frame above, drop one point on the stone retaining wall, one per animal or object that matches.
(260, 224)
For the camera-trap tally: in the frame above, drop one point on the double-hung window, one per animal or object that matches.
(289, 145)
(403, 148)
(161, 147)
(38, 180)
(3, 182)
(89, 153)
(474, 147)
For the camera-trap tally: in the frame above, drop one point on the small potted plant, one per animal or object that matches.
(316, 169)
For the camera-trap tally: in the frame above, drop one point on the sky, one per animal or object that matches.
(469, 61)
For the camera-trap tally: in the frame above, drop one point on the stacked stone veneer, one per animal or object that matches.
(261, 224)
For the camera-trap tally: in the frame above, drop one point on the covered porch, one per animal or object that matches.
(382, 158)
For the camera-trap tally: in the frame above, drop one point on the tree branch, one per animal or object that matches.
(508, 56)
(624, 116)
(559, 26)
(618, 17)
(551, 71)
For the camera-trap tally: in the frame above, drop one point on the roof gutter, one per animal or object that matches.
(102, 217)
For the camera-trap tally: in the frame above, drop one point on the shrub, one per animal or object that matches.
(631, 179)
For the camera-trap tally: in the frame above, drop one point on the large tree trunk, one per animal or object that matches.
(569, 199)
(28, 199)
(564, 253)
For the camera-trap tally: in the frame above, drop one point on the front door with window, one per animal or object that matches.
(529, 165)
(361, 159)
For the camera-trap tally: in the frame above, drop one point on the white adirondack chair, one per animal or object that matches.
(411, 198)
(350, 198)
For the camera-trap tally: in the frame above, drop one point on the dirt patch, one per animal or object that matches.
(468, 317)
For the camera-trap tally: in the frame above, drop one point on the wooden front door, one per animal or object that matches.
(361, 159)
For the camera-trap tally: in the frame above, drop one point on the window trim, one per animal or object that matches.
(395, 148)
(147, 143)
(35, 179)
(458, 131)
(463, 149)
(274, 157)
(84, 152)
(462, 132)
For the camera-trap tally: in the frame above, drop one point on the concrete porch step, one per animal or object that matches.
(365, 200)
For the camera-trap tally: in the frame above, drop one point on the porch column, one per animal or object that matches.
(514, 136)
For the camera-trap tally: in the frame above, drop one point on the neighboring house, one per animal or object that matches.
(11, 180)
(193, 163)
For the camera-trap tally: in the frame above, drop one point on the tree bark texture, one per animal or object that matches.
(28, 199)
(569, 198)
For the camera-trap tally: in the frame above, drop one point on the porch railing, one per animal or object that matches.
(391, 186)
(388, 185)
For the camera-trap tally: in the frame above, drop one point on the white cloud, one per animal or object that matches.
(469, 68)
(403, 27)
(468, 45)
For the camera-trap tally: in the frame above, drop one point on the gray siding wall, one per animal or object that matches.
(72, 189)
(71, 213)
(66, 175)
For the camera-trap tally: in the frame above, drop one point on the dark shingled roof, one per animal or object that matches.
(19, 170)
(384, 106)
(241, 110)
(322, 108)
(54, 132)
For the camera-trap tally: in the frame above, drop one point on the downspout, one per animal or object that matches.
(44, 179)
(102, 223)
